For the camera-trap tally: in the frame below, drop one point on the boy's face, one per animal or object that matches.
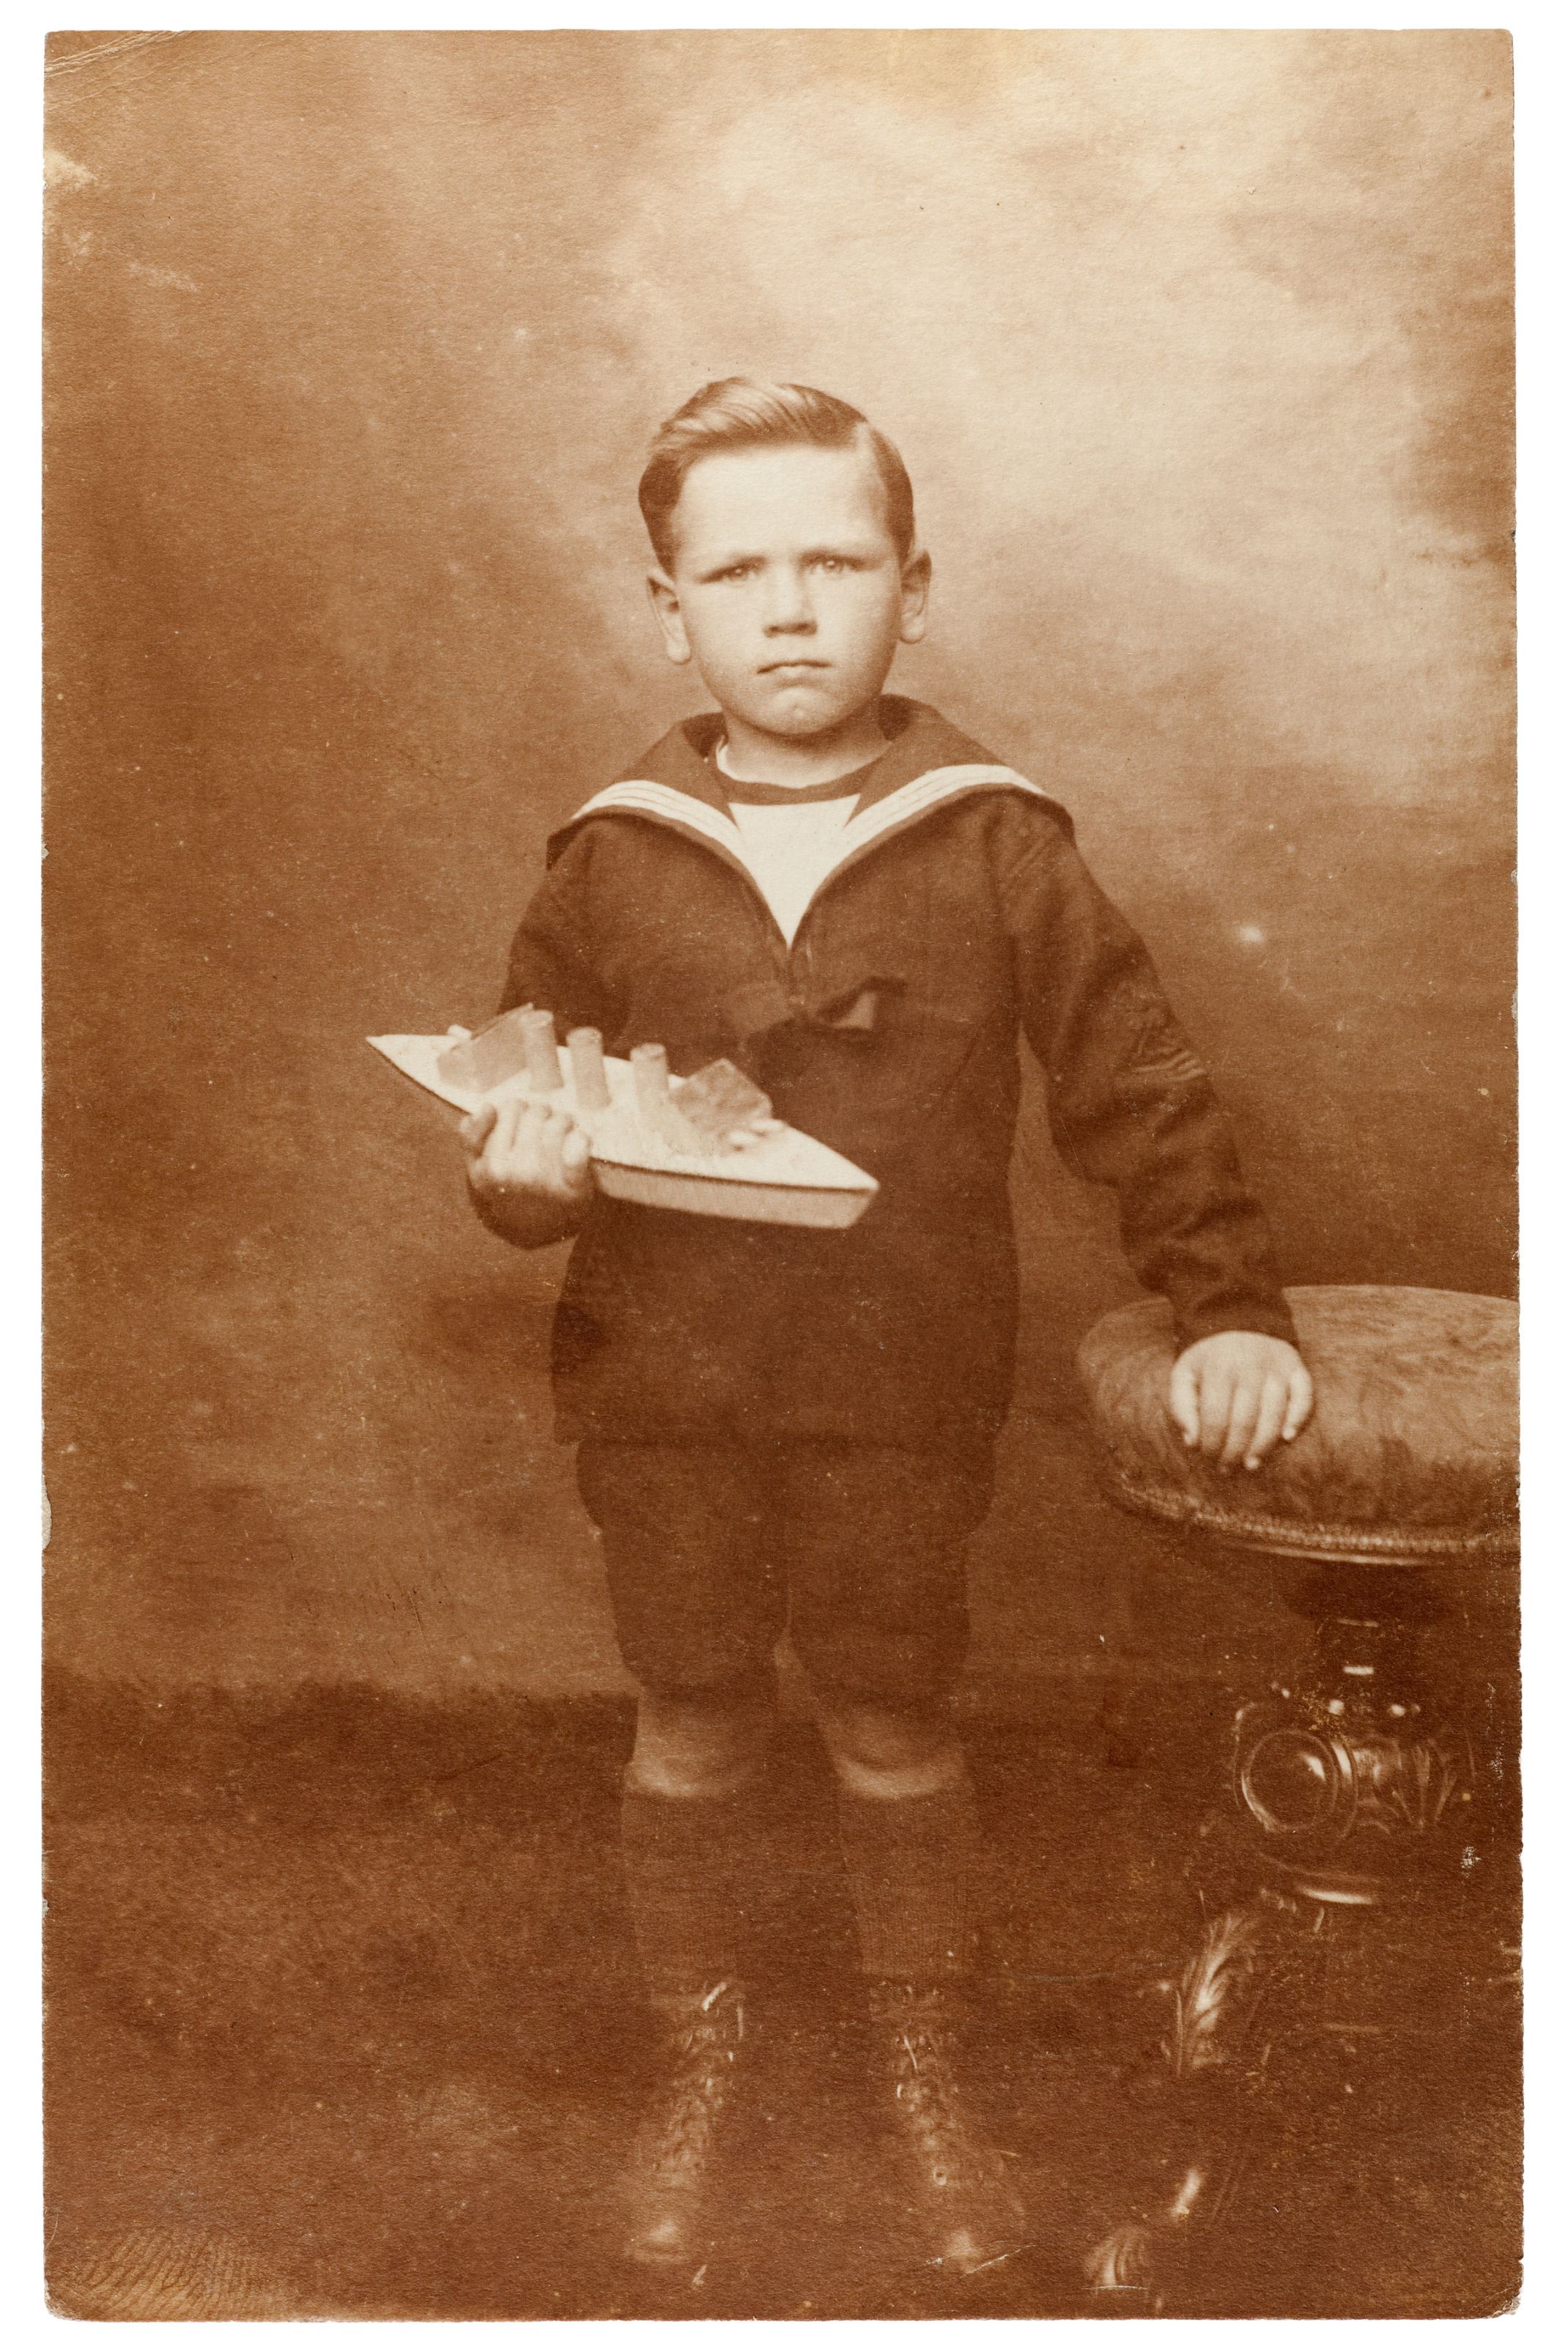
(787, 588)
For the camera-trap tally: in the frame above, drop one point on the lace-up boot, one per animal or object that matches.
(967, 2214)
(673, 2159)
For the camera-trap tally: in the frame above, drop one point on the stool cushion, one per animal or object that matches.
(1411, 1453)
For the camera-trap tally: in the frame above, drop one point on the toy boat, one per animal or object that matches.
(707, 1144)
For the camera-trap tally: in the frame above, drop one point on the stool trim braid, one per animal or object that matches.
(1324, 1539)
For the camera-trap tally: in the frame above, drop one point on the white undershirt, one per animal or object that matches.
(788, 852)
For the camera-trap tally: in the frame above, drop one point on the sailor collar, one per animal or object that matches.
(927, 766)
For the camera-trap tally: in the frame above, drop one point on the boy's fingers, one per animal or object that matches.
(536, 1152)
(1183, 1399)
(1271, 1420)
(504, 1161)
(1242, 1420)
(1239, 1410)
(473, 1131)
(529, 1129)
(1299, 1402)
(576, 1153)
(1216, 1400)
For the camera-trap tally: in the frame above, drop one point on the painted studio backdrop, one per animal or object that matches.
(1198, 348)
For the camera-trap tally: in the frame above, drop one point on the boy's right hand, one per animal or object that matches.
(528, 1170)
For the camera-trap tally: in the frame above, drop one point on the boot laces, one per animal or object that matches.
(928, 2098)
(692, 2098)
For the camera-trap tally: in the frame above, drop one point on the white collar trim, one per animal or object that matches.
(641, 797)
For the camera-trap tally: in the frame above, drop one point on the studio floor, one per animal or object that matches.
(345, 2022)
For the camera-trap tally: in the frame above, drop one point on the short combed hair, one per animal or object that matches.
(738, 413)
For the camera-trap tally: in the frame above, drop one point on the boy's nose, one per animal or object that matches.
(789, 608)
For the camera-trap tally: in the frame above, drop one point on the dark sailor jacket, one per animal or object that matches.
(958, 914)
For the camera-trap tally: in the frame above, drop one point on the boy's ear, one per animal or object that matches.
(914, 587)
(666, 604)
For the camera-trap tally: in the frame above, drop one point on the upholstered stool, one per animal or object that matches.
(1390, 1523)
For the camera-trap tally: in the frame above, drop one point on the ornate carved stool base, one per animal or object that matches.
(1344, 1885)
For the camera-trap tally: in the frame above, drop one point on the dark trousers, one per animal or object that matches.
(711, 1551)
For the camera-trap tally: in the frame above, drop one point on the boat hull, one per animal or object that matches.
(792, 1179)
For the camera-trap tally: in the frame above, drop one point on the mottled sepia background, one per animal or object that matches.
(1198, 349)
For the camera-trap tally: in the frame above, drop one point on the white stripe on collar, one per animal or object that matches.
(641, 797)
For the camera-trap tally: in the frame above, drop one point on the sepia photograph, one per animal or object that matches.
(781, 1175)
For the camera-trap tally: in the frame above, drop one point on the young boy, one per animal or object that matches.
(861, 908)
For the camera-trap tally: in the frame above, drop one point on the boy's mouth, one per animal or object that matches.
(795, 662)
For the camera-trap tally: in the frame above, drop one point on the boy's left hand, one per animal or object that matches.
(1236, 1393)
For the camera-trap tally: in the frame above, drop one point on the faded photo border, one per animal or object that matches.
(1539, 88)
